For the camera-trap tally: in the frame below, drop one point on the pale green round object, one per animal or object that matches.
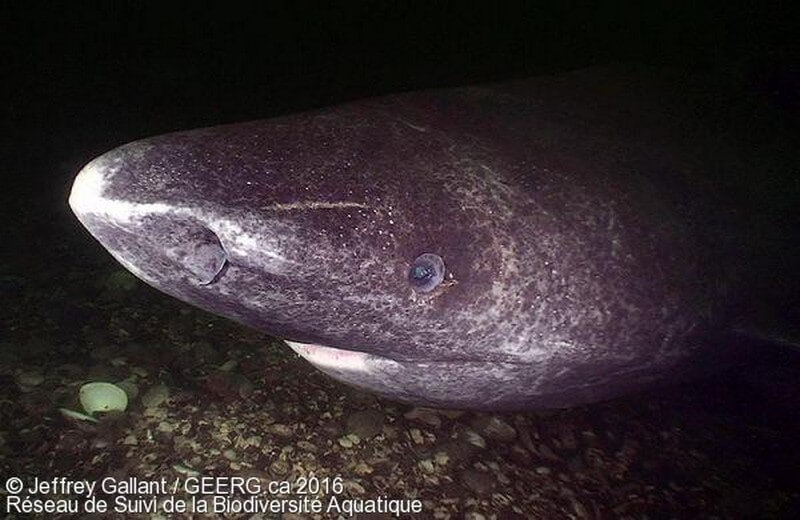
(102, 397)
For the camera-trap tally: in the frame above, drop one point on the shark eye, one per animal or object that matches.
(426, 272)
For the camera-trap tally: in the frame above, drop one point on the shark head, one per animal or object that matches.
(413, 245)
(390, 271)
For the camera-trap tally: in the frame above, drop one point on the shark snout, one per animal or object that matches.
(144, 236)
(156, 233)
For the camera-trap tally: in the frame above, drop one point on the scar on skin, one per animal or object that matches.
(412, 125)
(314, 205)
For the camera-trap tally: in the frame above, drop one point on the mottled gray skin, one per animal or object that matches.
(586, 256)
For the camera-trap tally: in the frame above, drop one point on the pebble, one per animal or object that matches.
(478, 481)
(580, 509)
(424, 415)
(228, 365)
(365, 423)
(455, 452)
(30, 379)
(229, 454)
(307, 446)
(416, 436)
(474, 515)
(474, 438)
(349, 440)
(139, 371)
(362, 468)
(495, 428)
(354, 488)
(130, 388)
(426, 465)
(155, 396)
(441, 458)
(589, 437)
(545, 452)
(279, 468)
(281, 430)
(185, 470)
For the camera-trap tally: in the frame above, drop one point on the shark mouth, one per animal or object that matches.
(330, 357)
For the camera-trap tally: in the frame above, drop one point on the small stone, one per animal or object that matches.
(416, 436)
(590, 438)
(390, 433)
(424, 415)
(185, 470)
(568, 440)
(520, 454)
(228, 365)
(441, 458)
(204, 353)
(139, 371)
(365, 423)
(474, 438)
(229, 454)
(456, 452)
(307, 446)
(451, 414)
(542, 470)
(426, 465)
(155, 396)
(30, 378)
(279, 468)
(478, 481)
(362, 468)
(131, 390)
(495, 428)
(580, 509)
(545, 452)
(353, 487)
(345, 442)
(281, 430)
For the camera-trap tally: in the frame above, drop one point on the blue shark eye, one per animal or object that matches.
(426, 272)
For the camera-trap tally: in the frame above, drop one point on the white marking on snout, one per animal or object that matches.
(86, 196)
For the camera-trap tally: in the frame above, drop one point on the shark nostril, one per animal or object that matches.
(219, 267)
(199, 251)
